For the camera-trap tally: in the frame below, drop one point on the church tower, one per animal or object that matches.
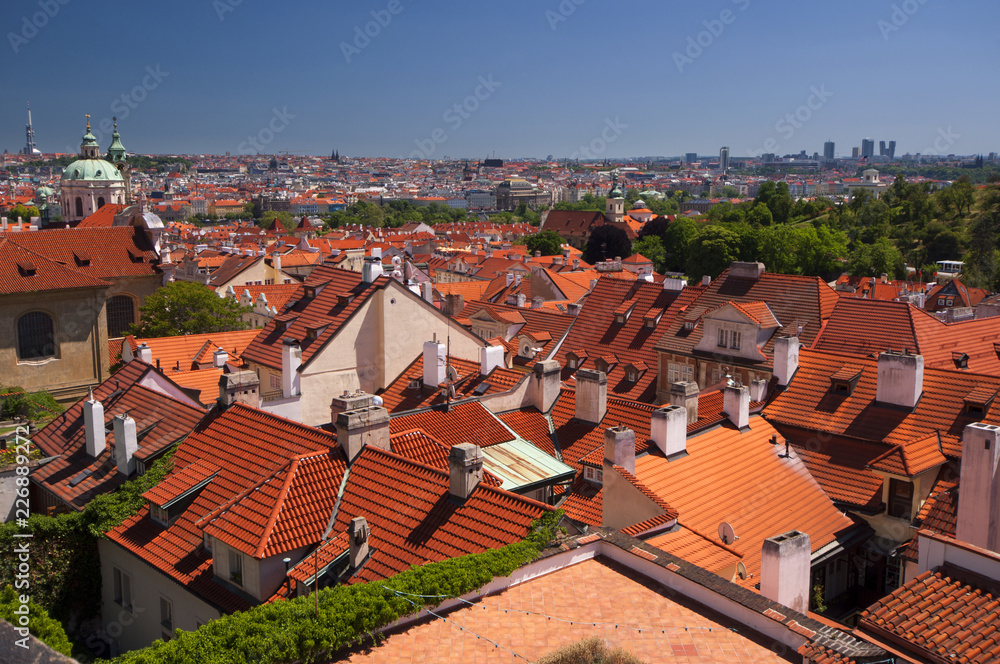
(614, 209)
(90, 182)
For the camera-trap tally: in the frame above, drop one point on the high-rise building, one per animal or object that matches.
(690, 157)
(828, 151)
(882, 152)
(855, 153)
(867, 148)
(724, 158)
(892, 150)
(29, 136)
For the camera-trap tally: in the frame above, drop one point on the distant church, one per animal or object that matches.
(90, 182)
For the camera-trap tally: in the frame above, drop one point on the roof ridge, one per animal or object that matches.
(279, 504)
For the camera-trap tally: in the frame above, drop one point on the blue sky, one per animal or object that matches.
(530, 77)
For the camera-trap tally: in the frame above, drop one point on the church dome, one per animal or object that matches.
(94, 170)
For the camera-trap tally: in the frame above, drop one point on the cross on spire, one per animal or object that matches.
(88, 121)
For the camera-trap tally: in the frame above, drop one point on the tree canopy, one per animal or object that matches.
(546, 242)
(185, 307)
(606, 241)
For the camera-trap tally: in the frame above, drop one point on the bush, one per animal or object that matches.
(592, 650)
(45, 629)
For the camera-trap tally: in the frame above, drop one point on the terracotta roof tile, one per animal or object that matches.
(399, 397)
(468, 422)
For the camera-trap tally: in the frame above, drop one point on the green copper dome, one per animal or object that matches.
(116, 153)
(92, 170)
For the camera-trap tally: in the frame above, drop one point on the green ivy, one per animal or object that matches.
(290, 631)
(47, 630)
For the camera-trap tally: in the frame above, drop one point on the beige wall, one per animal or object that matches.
(141, 626)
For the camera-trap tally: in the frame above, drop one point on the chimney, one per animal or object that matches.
(619, 447)
(510, 278)
(573, 309)
(427, 292)
(371, 270)
(360, 427)
(240, 387)
(434, 362)
(465, 470)
(545, 384)
(746, 270)
(349, 401)
(685, 393)
(145, 353)
(784, 570)
(758, 390)
(219, 358)
(668, 429)
(490, 357)
(706, 280)
(93, 426)
(277, 262)
(591, 395)
(576, 263)
(786, 359)
(291, 360)
(884, 278)
(125, 443)
(674, 284)
(736, 405)
(521, 299)
(452, 304)
(900, 379)
(565, 253)
(979, 489)
(359, 541)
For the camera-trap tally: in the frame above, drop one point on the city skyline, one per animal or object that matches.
(519, 80)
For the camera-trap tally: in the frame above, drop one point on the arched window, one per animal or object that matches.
(100, 202)
(35, 337)
(79, 206)
(120, 313)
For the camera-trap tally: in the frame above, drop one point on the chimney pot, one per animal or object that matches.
(736, 405)
(219, 358)
(785, 566)
(619, 447)
(93, 426)
(668, 429)
(125, 443)
(465, 470)
(591, 395)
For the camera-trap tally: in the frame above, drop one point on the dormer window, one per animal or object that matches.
(620, 318)
(978, 401)
(689, 325)
(723, 338)
(632, 375)
(735, 339)
(593, 475)
(960, 359)
(845, 380)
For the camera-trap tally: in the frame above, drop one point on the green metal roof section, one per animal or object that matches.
(522, 466)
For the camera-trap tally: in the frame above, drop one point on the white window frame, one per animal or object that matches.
(673, 372)
(735, 338)
(237, 557)
(122, 581)
(687, 372)
(723, 338)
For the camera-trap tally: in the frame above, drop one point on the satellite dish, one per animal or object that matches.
(452, 373)
(741, 570)
(726, 533)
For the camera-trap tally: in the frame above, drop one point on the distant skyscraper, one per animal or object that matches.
(892, 150)
(29, 136)
(855, 153)
(724, 158)
(828, 151)
(882, 152)
(867, 148)
(690, 157)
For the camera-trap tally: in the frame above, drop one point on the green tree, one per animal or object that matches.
(981, 261)
(185, 307)
(25, 213)
(759, 215)
(676, 241)
(871, 260)
(44, 628)
(546, 242)
(285, 218)
(711, 252)
(606, 241)
(652, 248)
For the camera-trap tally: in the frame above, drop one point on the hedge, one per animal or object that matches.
(289, 631)
(47, 630)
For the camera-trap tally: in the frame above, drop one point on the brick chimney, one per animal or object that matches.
(668, 429)
(900, 379)
(359, 535)
(784, 570)
(240, 387)
(125, 443)
(786, 359)
(93, 426)
(465, 470)
(685, 393)
(545, 383)
(736, 405)
(291, 360)
(979, 490)
(619, 447)
(452, 304)
(591, 395)
(434, 362)
(360, 427)
(349, 401)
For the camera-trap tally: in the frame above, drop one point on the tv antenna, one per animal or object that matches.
(726, 533)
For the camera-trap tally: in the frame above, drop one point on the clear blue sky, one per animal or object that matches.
(558, 74)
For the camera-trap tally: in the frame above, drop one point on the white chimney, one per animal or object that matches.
(576, 263)
(359, 533)
(93, 426)
(277, 261)
(758, 389)
(545, 386)
(706, 280)
(427, 292)
(619, 447)
(674, 284)
(521, 299)
(668, 429)
(465, 470)
(125, 443)
(900, 379)
(490, 357)
(685, 393)
(371, 270)
(434, 363)
(784, 570)
(736, 405)
(291, 360)
(360, 427)
(377, 252)
(978, 520)
(591, 395)
(219, 358)
(145, 353)
(786, 359)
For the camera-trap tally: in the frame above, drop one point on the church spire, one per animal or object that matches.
(116, 153)
(89, 146)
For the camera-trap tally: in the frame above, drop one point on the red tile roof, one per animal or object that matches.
(399, 397)
(104, 217)
(531, 425)
(23, 271)
(468, 422)
(102, 253)
(422, 448)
